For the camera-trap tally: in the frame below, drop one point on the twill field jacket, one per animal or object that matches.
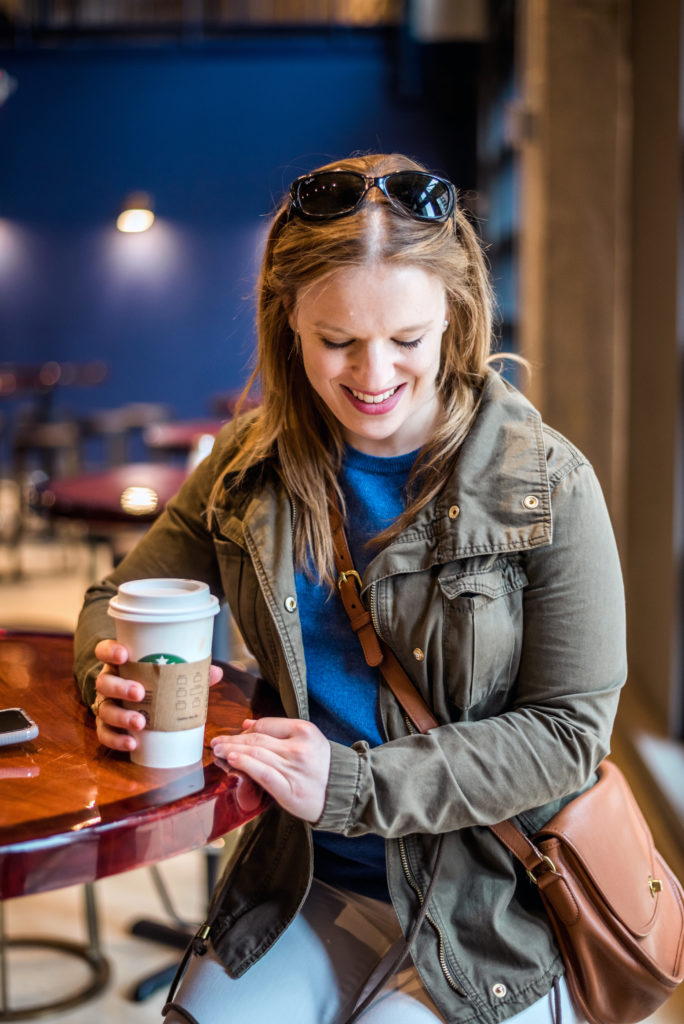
(503, 601)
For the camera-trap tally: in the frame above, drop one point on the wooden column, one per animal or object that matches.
(655, 520)
(574, 140)
(601, 126)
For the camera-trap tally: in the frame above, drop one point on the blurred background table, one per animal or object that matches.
(180, 438)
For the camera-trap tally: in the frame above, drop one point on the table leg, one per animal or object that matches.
(90, 952)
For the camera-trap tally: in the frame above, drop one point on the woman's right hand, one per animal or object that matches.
(115, 723)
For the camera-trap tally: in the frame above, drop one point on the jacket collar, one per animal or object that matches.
(497, 498)
(499, 485)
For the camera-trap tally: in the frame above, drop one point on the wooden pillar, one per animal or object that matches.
(601, 127)
(655, 521)
(574, 192)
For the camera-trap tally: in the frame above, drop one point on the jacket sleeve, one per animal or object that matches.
(556, 728)
(178, 544)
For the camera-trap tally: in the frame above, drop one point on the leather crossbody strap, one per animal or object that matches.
(378, 655)
(349, 586)
(376, 651)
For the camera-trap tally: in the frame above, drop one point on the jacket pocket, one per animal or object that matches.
(482, 632)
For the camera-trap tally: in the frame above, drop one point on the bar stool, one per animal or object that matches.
(53, 448)
(118, 429)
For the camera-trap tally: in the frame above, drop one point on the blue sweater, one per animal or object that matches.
(342, 688)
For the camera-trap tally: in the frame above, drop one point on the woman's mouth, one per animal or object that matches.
(374, 403)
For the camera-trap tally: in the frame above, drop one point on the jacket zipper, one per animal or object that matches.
(374, 618)
(402, 846)
(419, 893)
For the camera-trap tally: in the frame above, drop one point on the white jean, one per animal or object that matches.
(315, 971)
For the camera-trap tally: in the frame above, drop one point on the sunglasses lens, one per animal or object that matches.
(422, 195)
(330, 193)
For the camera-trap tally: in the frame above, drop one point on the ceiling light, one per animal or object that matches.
(136, 213)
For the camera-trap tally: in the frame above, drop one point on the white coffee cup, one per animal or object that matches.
(166, 626)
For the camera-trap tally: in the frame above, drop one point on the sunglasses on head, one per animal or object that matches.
(326, 195)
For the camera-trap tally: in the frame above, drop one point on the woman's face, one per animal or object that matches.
(370, 341)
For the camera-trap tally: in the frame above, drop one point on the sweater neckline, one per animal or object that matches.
(352, 458)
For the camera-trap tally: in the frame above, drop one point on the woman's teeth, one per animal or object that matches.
(373, 399)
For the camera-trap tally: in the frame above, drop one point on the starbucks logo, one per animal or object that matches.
(163, 659)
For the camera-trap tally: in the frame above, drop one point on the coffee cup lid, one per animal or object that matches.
(163, 600)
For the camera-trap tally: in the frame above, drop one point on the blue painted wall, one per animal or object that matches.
(216, 135)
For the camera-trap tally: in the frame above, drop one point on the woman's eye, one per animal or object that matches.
(408, 344)
(345, 344)
(336, 344)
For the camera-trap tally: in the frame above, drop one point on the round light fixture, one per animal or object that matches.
(136, 213)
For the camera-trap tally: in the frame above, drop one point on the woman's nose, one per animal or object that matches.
(373, 364)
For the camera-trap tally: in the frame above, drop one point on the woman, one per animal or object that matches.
(489, 567)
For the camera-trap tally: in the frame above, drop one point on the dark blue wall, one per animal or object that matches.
(216, 135)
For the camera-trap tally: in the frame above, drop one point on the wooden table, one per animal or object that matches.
(115, 505)
(73, 812)
(124, 495)
(180, 437)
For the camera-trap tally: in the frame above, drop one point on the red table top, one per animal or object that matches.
(72, 811)
(133, 493)
(180, 436)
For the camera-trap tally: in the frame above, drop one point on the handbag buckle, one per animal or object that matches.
(549, 864)
(655, 885)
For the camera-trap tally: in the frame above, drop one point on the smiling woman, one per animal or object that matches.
(370, 340)
(481, 555)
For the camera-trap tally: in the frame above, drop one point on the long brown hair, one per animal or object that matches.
(293, 424)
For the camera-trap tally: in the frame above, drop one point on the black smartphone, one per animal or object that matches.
(16, 727)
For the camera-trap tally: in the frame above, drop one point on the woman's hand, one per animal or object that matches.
(288, 757)
(113, 722)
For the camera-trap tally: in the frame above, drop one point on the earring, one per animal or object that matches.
(446, 324)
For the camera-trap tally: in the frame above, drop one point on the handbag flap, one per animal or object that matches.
(609, 836)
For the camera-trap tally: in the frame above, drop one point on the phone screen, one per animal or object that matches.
(13, 719)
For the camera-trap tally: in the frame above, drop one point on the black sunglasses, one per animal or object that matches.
(326, 195)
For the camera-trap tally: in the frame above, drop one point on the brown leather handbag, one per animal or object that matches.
(615, 906)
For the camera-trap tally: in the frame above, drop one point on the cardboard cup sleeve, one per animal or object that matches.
(176, 695)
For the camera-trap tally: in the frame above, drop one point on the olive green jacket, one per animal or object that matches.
(504, 603)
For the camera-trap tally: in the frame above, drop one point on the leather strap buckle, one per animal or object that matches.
(548, 863)
(344, 576)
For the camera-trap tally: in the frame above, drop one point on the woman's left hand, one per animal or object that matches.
(288, 757)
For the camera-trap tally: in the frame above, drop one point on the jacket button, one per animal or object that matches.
(530, 501)
(290, 603)
(454, 512)
(499, 990)
(418, 654)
